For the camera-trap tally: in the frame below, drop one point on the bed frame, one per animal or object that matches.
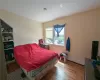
(41, 73)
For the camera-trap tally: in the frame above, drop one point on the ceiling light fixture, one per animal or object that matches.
(61, 5)
(44, 9)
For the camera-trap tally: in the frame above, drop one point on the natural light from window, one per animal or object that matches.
(52, 38)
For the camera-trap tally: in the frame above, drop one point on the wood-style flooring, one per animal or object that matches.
(68, 71)
(62, 71)
(12, 67)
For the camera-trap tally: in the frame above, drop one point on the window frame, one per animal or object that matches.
(52, 35)
(53, 32)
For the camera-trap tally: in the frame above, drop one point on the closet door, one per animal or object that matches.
(3, 70)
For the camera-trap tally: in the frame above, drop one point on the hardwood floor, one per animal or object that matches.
(68, 71)
(62, 71)
(12, 67)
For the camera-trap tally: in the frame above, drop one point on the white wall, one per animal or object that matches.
(82, 28)
(25, 30)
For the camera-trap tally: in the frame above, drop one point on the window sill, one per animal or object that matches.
(57, 45)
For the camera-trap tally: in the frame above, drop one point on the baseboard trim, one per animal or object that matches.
(76, 63)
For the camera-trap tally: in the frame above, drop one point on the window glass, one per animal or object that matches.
(59, 40)
(49, 35)
(52, 38)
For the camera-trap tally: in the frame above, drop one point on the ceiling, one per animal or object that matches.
(33, 9)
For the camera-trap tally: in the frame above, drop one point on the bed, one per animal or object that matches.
(34, 60)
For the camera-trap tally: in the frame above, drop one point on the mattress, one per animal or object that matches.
(32, 56)
(35, 73)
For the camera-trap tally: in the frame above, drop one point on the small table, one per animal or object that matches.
(64, 56)
(44, 46)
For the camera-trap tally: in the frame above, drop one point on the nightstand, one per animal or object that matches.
(44, 46)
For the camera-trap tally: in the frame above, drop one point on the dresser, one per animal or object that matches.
(89, 70)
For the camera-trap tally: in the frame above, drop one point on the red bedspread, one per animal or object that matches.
(31, 56)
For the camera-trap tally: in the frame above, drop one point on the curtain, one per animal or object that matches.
(58, 28)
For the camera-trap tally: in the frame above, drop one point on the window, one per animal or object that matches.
(51, 36)
(59, 40)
